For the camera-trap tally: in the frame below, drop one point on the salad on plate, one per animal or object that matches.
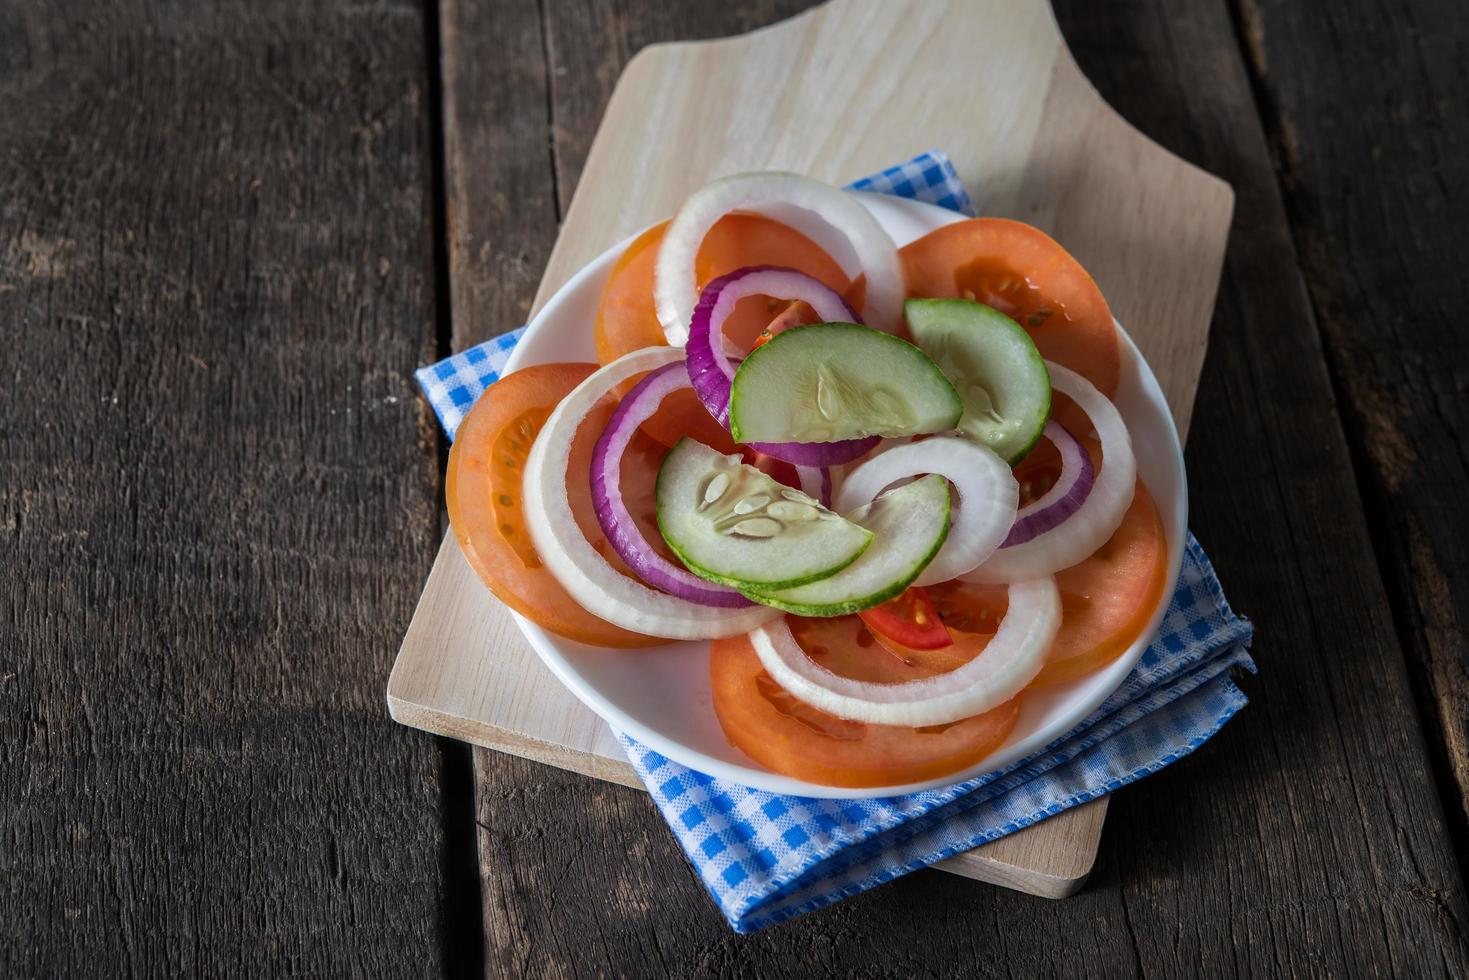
(894, 502)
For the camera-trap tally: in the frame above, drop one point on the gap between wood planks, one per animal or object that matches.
(461, 928)
(1376, 447)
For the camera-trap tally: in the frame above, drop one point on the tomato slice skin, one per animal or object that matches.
(790, 737)
(909, 620)
(1022, 272)
(483, 493)
(1106, 601)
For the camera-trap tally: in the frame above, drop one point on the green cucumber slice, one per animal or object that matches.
(832, 381)
(994, 365)
(732, 524)
(909, 526)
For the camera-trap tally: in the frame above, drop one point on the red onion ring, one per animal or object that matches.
(712, 373)
(815, 483)
(612, 513)
(1062, 500)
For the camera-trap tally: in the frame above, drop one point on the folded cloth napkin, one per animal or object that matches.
(766, 858)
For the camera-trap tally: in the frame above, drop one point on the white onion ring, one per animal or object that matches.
(988, 496)
(1010, 661)
(1076, 538)
(781, 195)
(567, 554)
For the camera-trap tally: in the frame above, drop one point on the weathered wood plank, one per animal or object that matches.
(217, 487)
(1370, 165)
(1308, 839)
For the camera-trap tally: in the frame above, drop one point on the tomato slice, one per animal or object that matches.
(484, 498)
(789, 736)
(1022, 272)
(909, 620)
(1106, 601)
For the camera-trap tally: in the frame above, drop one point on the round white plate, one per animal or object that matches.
(661, 696)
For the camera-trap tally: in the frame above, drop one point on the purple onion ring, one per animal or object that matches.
(612, 513)
(711, 371)
(1062, 500)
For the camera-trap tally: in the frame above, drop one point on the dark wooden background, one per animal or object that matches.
(230, 230)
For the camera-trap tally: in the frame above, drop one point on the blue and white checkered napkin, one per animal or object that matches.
(766, 858)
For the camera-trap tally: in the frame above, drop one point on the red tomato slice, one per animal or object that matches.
(909, 620)
(1106, 601)
(483, 493)
(1022, 272)
(789, 736)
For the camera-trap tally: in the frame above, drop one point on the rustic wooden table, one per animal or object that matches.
(229, 232)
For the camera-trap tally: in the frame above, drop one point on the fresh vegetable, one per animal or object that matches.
(908, 525)
(785, 734)
(612, 514)
(910, 620)
(1022, 272)
(1011, 659)
(1091, 524)
(733, 524)
(712, 372)
(833, 381)
(812, 206)
(482, 489)
(1108, 599)
(988, 495)
(1066, 495)
(815, 483)
(993, 364)
(627, 320)
(583, 572)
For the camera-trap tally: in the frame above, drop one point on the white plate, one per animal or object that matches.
(661, 696)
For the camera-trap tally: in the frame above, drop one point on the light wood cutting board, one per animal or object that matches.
(841, 91)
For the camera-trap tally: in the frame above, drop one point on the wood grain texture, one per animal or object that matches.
(217, 489)
(1308, 840)
(1370, 165)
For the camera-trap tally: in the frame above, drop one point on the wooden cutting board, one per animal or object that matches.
(841, 91)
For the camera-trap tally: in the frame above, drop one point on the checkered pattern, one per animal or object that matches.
(454, 384)
(766, 858)
(928, 177)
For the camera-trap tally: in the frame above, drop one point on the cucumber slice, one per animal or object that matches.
(909, 526)
(831, 381)
(995, 366)
(732, 524)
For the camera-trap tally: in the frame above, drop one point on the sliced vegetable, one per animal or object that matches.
(910, 620)
(583, 572)
(908, 524)
(813, 207)
(1022, 272)
(482, 490)
(1009, 661)
(733, 524)
(1091, 524)
(627, 319)
(834, 381)
(785, 734)
(993, 364)
(988, 495)
(712, 372)
(1065, 496)
(622, 532)
(815, 483)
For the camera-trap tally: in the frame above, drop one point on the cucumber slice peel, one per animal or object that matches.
(733, 524)
(994, 365)
(909, 526)
(827, 382)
